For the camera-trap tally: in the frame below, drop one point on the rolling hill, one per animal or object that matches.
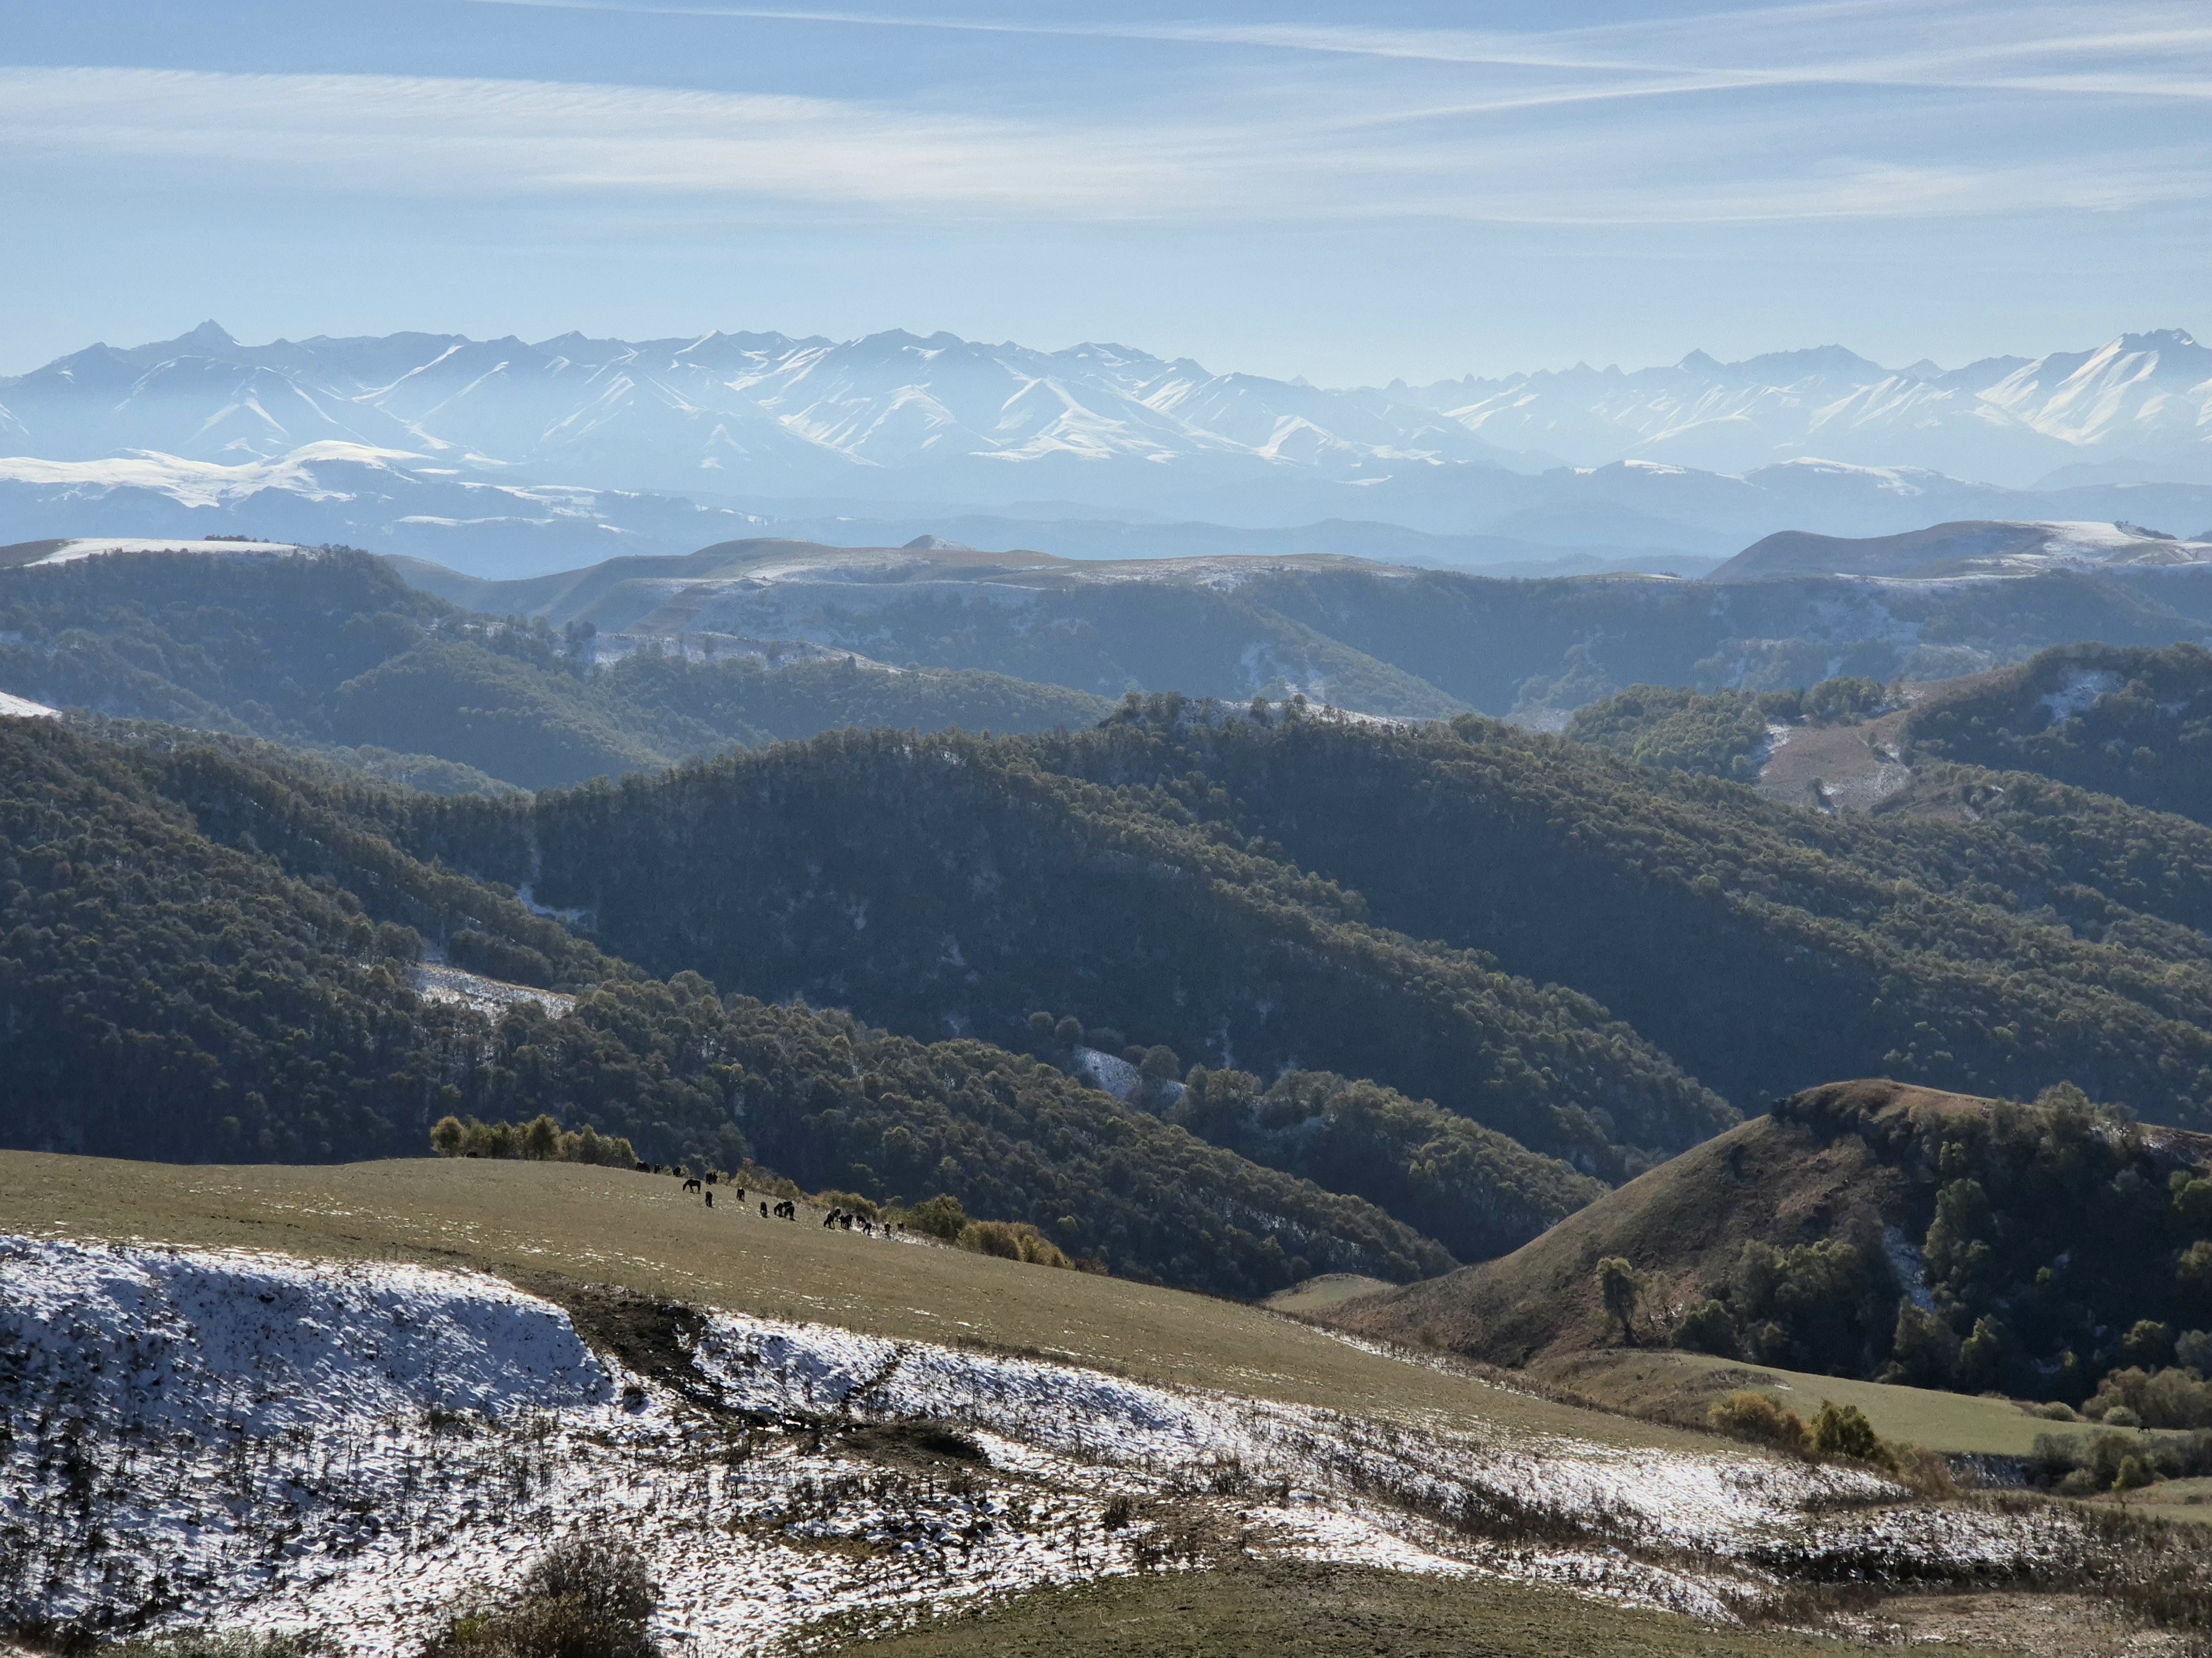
(1944, 551)
(1874, 1229)
(1380, 639)
(2133, 723)
(209, 954)
(938, 1452)
(1576, 951)
(329, 650)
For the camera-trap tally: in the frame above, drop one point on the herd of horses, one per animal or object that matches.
(783, 1209)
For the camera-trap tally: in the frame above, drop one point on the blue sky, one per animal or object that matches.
(1351, 192)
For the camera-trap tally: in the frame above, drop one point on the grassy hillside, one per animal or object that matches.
(2132, 723)
(202, 956)
(1873, 1230)
(557, 1228)
(641, 1233)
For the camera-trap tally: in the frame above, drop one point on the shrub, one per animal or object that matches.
(1619, 1287)
(1013, 1241)
(1707, 1328)
(1844, 1431)
(942, 1216)
(543, 1140)
(2169, 1398)
(588, 1596)
(1753, 1416)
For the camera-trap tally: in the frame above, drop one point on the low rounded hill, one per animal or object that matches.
(1867, 1229)
(1767, 1180)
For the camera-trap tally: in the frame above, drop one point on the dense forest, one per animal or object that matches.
(949, 885)
(204, 956)
(336, 653)
(2137, 723)
(1532, 934)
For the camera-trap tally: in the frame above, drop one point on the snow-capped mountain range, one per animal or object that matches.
(484, 453)
(767, 415)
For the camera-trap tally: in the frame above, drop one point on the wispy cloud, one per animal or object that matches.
(1958, 44)
(1865, 110)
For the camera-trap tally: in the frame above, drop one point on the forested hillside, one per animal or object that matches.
(1309, 892)
(2133, 723)
(205, 954)
(2057, 1251)
(334, 653)
(1723, 734)
(951, 885)
(1383, 639)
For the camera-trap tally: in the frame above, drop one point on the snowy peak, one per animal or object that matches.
(935, 418)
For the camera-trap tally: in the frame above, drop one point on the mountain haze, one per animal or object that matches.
(508, 456)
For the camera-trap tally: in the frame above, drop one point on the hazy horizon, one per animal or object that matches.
(1347, 198)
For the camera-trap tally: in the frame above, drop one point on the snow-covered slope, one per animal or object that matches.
(2137, 407)
(205, 1437)
(900, 416)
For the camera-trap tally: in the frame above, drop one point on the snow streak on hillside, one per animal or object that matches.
(200, 1436)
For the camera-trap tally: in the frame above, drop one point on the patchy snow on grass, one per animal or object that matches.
(199, 1436)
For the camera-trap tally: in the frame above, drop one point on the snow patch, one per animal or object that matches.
(213, 1436)
(2078, 694)
(435, 982)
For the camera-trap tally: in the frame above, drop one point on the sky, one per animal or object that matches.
(1351, 192)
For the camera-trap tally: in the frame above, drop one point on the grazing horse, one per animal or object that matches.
(713, 1175)
(763, 1211)
(710, 1200)
(645, 1169)
(830, 1220)
(786, 1210)
(692, 1185)
(741, 1194)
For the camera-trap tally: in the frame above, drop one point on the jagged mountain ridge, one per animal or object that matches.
(896, 414)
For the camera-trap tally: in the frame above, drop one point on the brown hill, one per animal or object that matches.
(1765, 1180)
(1858, 1193)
